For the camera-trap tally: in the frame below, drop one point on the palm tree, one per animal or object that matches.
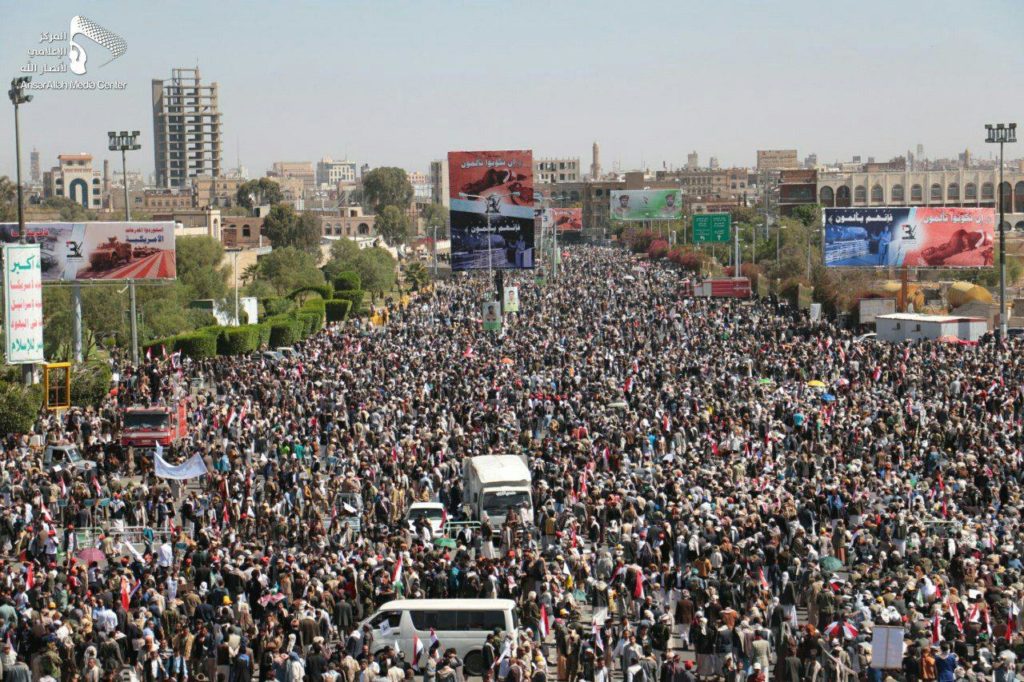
(417, 275)
(250, 273)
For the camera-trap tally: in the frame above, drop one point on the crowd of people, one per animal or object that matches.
(721, 490)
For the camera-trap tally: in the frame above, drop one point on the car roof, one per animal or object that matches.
(446, 604)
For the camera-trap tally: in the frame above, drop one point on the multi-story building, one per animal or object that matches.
(215, 191)
(241, 232)
(795, 188)
(186, 128)
(193, 222)
(439, 187)
(557, 170)
(296, 170)
(74, 178)
(166, 200)
(422, 192)
(776, 159)
(692, 161)
(954, 188)
(347, 222)
(331, 172)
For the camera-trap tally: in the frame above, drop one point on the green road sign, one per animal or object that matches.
(712, 228)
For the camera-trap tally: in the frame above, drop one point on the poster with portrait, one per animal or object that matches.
(492, 215)
(491, 313)
(511, 302)
(646, 204)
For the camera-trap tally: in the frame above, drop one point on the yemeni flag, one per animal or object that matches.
(955, 613)
(877, 373)
(936, 629)
(126, 593)
(30, 576)
(545, 626)
(638, 586)
(396, 572)
(417, 648)
(761, 579)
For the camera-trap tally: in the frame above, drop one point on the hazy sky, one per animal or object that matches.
(402, 82)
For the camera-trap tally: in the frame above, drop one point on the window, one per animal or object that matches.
(95, 181)
(916, 193)
(953, 192)
(877, 195)
(860, 194)
(988, 191)
(393, 619)
(897, 193)
(970, 191)
(936, 193)
(458, 620)
(598, 192)
(246, 232)
(826, 197)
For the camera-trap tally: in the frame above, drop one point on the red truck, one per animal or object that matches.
(144, 427)
(729, 287)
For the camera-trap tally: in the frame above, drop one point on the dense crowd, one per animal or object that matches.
(717, 478)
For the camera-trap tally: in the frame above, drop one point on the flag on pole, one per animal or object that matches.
(638, 586)
(126, 593)
(761, 579)
(30, 576)
(396, 577)
(417, 648)
(936, 629)
(545, 626)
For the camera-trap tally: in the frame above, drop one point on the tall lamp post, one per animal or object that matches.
(18, 96)
(125, 142)
(1002, 134)
(234, 257)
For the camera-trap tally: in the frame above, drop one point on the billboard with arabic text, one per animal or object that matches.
(909, 236)
(100, 251)
(23, 304)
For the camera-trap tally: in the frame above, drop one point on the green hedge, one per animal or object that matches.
(199, 344)
(158, 346)
(315, 305)
(263, 329)
(354, 295)
(311, 322)
(347, 280)
(275, 305)
(326, 291)
(238, 340)
(338, 309)
(285, 331)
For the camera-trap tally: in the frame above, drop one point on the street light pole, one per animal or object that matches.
(124, 142)
(234, 260)
(1002, 134)
(18, 96)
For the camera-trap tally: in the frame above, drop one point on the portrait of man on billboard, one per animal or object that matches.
(670, 205)
(622, 210)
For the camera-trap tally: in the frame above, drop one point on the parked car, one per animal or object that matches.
(66, 457)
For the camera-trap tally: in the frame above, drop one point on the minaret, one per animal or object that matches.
(595, 166)
(107, 199)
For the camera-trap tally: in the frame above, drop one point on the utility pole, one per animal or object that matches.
(124, 142)
(18, 96)
(1002, 134)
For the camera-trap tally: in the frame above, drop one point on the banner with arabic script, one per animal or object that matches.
(100, 251)
(912, 236)
(492, 222)
(23, 304)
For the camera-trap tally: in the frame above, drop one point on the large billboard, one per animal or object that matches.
(492, 219)
(565, 219)
(96, 251)
(23, 304)
(646, 204)
(909, 237)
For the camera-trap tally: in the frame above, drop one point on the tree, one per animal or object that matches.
(376, 268)
(284, 227)
(249, 273)
(258, 193)
(287, 269)
(435, 216)
(393, 225)
(343, 254)
(199, 267)
(417, 276)
(8, 200)
(70, 211)
(387, 186)
(809, 215)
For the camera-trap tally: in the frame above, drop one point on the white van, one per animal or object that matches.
(460, 624)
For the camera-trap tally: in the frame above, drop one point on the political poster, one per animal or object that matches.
(887, 647)
(492, 316)
(511, 302)
(646, 204)
(100, 251)
(913, 236)
(564, 219)
(492, 216)
(23, 304)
